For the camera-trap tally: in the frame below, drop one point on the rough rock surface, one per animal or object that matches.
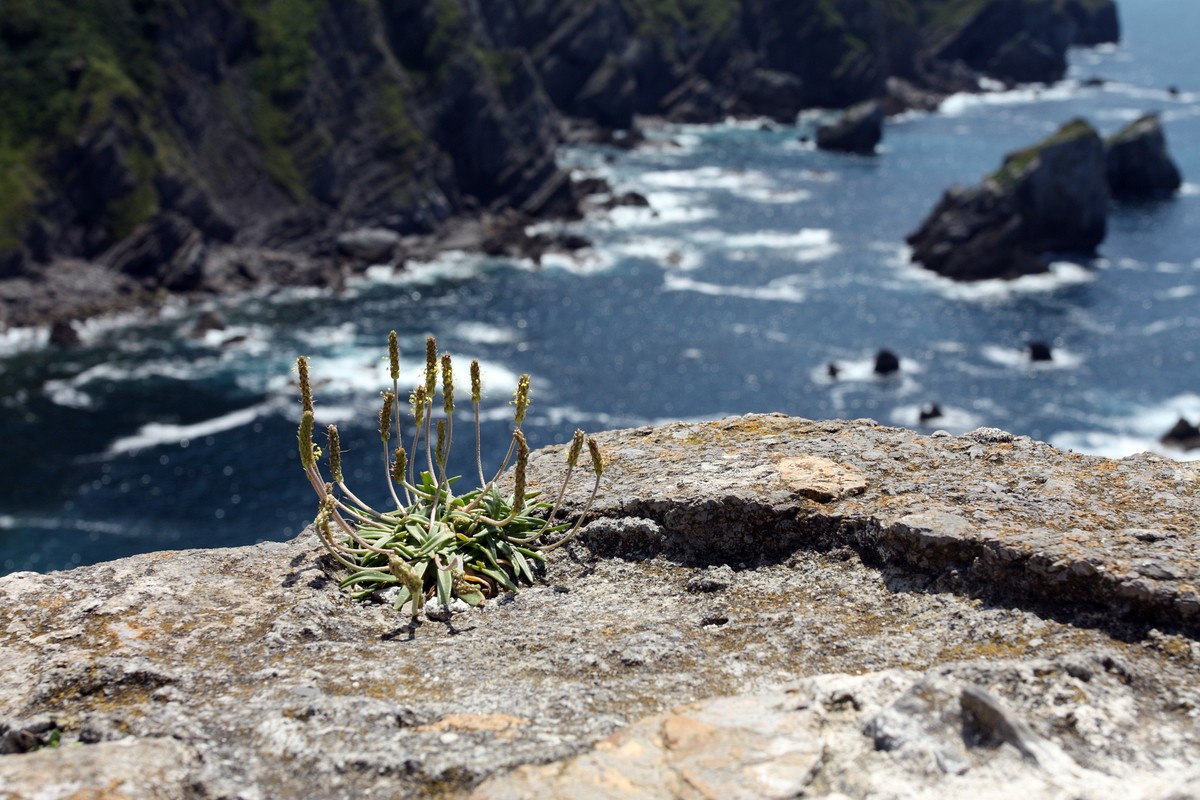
(760, 607)
(1051, 197)
(857, 130)
(1139, 166)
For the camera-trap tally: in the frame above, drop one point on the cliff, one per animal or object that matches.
(159, 139)
(760, 606)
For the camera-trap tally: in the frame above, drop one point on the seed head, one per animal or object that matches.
(576, 449)
(417, 401)
(447, 385)
(476, 383)
(440, 447)
(597, 460)
(335, 454)
(305, 437)
(519, 471)
(399, 465)
(385, 416)
(430, 366)
(409, 579)
(306, 400)
(394, 355)
(521, 398)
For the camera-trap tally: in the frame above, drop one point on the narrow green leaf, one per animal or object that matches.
(444, 585)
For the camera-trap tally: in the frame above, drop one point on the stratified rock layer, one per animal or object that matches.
(761, 606)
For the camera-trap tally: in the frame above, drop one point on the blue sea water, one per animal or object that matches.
(759, 262)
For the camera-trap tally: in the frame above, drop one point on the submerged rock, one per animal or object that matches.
(1138, 164)
(1051, 197)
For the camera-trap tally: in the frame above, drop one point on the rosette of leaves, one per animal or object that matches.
(436, 543)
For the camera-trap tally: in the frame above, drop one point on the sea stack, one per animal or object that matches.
(1050, 197)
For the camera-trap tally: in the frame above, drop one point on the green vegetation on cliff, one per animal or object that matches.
(65, 66)
(662, 18)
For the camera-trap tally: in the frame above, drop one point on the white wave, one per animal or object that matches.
(63, 393)
(64, 523)
(952, 419)
(451, 265)
(1135, 432)
(1062, 274)
(959, 104)
(483, 333)
(18, 340)
(1018, 358)
(665, 208)
(670, 253)
(1178, 293)
(1145, 93)
(326, 336)
(780, 289)
(1189, 189)
(155, 434)
(859, 371)
(806, 244)
(704, 179)
(762, 194)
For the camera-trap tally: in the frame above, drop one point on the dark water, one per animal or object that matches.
(761, 261)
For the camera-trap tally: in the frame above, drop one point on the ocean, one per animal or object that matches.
(759, 262)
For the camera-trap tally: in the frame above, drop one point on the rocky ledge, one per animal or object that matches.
(761, 606)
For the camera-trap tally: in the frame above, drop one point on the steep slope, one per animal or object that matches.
(151, 136)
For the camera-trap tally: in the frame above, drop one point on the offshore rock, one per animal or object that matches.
(857, 130)
(1139, 166)
(783, 607)
(1051, 197)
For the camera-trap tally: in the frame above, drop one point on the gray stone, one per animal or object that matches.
(369, 244)
(921, 637)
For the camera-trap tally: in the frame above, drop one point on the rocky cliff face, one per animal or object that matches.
(761, 607)
(148, 134)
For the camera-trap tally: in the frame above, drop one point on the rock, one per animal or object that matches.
(886, 362)
(63, 335)
(1051, 197)
(374, 245)
(206, 321)
(628, 199)
(985, 611)
(857, 130)
(1138, 164)
(1093, 22)
(1183, 435)
(165, 252)
(1040, 351)
(929, 412)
